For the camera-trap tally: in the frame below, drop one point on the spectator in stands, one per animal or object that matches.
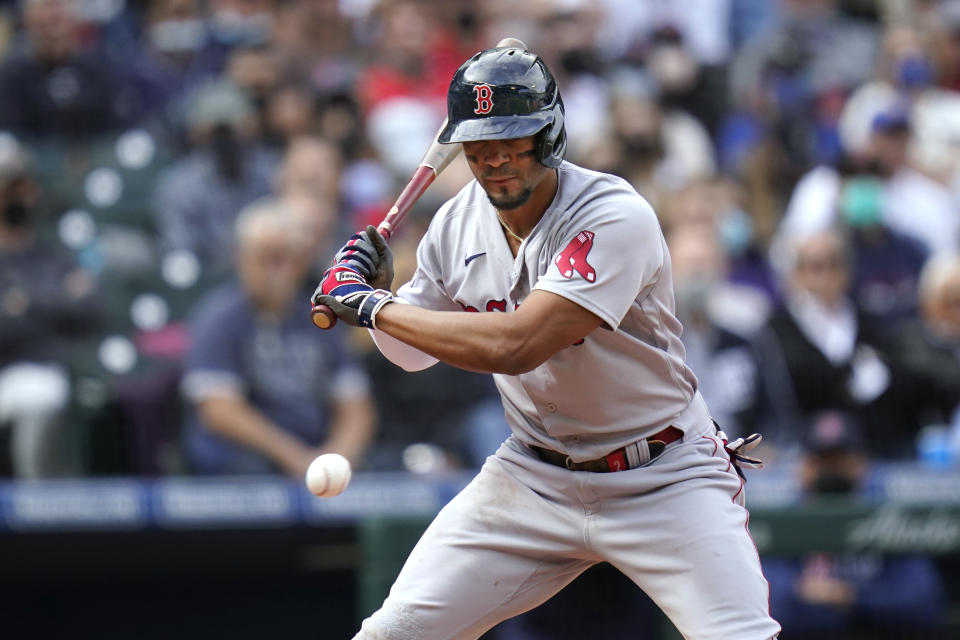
(268, 391)
(886, 264)
(685, 82)
(289, 113)
(46, 302)
(657, 151)
(837, 594)
(309, 179)
(241, 23)
(719, 207)
(54, 86)
(313, 42)
(311, 168)
(917, 204)
(403, 88)
(722, 359)
(819, 352)
(197, 199)
(949, 40)
(914, 201)
(930, 345)
(789, 80)
(176, 56)
(414, 56)
(255, 71)
(565, 36)
(858, 196)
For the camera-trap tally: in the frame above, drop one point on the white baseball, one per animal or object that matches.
(328, 475)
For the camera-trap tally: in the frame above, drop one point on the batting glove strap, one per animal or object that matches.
(371, 304)
(738, 449)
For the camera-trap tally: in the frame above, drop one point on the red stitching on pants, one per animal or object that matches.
(715, 449)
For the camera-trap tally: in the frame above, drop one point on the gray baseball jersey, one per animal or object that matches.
(523, 529)
(598, 244)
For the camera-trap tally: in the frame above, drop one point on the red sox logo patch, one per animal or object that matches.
(574, 257)
(484, 98)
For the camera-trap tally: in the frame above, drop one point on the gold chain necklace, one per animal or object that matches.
(507, 227)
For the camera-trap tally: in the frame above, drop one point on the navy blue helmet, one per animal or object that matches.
(506, 93)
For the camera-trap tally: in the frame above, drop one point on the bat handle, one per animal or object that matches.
(323, 316)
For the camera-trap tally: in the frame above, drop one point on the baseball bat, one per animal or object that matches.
(435, 160)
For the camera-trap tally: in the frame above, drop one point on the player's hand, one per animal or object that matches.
(349, 296)
(368, 253)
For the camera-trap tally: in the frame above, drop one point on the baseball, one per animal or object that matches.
(328, 475)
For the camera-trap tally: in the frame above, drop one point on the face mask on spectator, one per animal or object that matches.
(644, 146)
(860, 202)
(580, 60)
(833, 483)
(178, 36)
(736, 231)
(693, 294)
(16, 213)
(237, 29)
(227, 151)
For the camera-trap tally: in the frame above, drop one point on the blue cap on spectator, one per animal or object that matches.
(892, 119)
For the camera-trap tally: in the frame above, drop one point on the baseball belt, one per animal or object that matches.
(629, 457)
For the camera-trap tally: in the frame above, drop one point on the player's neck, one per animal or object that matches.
(524, 218)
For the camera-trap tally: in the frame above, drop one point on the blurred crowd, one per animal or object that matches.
(176, 174)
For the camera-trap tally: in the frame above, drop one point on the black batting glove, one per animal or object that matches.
(368, 253)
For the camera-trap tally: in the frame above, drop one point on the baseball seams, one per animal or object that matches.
(326, 480)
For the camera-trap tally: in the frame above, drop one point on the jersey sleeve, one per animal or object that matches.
(425, 289)
(400, 353)
(608, 257)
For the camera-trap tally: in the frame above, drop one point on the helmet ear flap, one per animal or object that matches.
(552, 141)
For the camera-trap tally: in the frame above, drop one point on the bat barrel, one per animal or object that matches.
(422, 178)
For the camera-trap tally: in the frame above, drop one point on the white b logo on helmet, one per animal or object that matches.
(484, 99)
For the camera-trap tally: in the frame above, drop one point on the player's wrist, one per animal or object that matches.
(371, 305)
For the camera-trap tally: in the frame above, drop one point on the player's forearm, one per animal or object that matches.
(237, 420)
(482, 342)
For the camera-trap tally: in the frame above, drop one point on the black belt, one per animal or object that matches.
(614, 461)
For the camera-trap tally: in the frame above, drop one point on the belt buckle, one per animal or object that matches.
(569, 463)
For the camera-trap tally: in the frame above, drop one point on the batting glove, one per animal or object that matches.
(738, 449)
(368, 253)
(349, 296)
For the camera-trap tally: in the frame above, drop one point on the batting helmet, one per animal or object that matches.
(506, 93)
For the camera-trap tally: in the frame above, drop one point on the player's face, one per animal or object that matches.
(508, 170)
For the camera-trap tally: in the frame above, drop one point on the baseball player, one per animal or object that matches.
(613, 456)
